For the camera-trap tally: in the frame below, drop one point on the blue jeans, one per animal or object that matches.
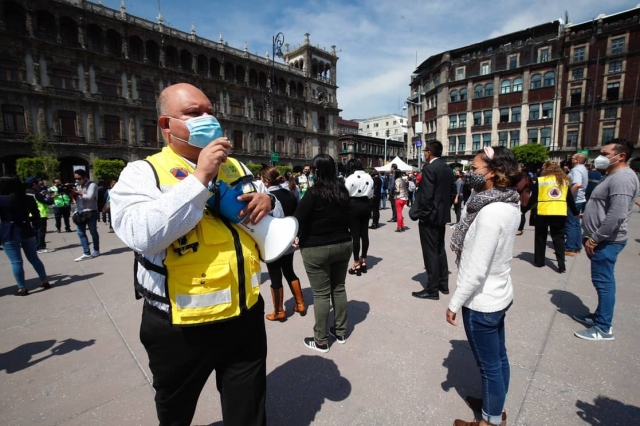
(93, 230)
(603, 278)
(485, 332)
(28, 245)
(383, 200)
(573, 230)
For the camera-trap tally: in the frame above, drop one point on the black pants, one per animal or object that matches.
(374, 206)
(282, 266)
(62, 213)
(434, 256)
(41, 232)
(457, 208)
(359, 225)
(555, 225)
(523, 219)
(181, 360)
(392, 200)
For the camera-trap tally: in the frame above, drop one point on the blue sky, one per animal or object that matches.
(377, 40)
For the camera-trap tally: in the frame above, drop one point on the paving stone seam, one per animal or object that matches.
(115, 326)
(544, 346)
(101, 404)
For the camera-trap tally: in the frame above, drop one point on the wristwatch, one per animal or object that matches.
(273, 201)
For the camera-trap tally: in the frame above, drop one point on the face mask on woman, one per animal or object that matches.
(475, 181)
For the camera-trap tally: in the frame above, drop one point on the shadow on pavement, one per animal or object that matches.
(20, 358)
(528, 257)
(372, 261)
(69, 246)
(607, 411)
(568, 303)
(297, 389)
(358, 312)
(462, 371)
(62, 280)
(117, 251)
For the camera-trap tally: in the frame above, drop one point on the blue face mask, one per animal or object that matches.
(202, 130)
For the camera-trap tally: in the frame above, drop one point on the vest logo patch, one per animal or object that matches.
(554, 193)
(179, 172)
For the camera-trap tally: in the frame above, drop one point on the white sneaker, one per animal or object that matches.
(83, 257)
(594, 333)
(46, 250)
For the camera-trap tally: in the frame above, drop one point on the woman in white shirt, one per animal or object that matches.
(360, 187)
(483, 242)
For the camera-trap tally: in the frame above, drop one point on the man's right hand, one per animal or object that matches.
(210, 159)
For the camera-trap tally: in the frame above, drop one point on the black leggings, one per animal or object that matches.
(523, 211)
(282, 266)
(359, 224)
(374, 206)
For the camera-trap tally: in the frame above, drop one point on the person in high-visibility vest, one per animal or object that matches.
(198, 272)
(552, 196)
(62, 205)
(43, 201)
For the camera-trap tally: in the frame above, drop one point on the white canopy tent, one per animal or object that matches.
(398, 162)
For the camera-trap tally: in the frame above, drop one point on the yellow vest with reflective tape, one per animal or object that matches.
(552, 198)
(213, 272)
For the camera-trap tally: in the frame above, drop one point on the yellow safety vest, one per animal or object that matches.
(213, 272)
(43, 209)
(552, 198)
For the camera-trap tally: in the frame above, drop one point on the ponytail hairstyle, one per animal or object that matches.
(272, 176)
(327, 186)
(290, 181)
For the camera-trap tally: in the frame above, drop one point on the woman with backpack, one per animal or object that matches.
(278, 186)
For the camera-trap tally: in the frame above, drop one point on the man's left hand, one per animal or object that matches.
(589, 247)
(259, 206)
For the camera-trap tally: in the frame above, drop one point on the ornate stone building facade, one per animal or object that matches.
(566, 86)
(87, 77)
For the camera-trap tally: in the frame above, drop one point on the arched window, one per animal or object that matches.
(488, 89)
(536, 81)
(478, 91)
(453, 95)
(463, 94)
(517, 84)
(505, 87)
(550, 79)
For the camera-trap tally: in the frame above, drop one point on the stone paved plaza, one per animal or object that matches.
(71, 355)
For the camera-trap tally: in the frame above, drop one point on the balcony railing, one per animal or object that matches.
(69, 139)
(114, 142)
(47, 36)
(13, 136)
(65, 93)
(136, 57)
(15, 85)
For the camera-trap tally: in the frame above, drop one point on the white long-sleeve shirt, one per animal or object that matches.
(148, 220)
(484, 273)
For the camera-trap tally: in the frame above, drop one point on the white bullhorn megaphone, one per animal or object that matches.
(273, 236)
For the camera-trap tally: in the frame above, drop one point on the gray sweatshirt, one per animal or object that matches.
(607, 212)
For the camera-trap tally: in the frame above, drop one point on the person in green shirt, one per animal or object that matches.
(62, 205)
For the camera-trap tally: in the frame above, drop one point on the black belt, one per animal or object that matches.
(155, 311)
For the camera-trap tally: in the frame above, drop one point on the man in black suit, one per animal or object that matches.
(435, 196)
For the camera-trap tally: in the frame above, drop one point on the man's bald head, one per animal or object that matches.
(179, 94)
(579, 158)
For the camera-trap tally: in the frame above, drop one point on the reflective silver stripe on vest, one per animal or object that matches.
(255, 280)
(554, 183)
(184, 301)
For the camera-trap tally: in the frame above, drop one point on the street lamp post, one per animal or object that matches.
(278, 42)
(418, 106)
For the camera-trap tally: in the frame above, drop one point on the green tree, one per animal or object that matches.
(531, 153)
(108, 169)
(46, 165)
(29, 167)
(255, 168)
(283, 169)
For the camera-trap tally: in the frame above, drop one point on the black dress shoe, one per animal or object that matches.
(443, 290)
(392, 220)
(373, 227)
(425, 294)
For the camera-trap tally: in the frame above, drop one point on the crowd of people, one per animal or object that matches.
(198, 268)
